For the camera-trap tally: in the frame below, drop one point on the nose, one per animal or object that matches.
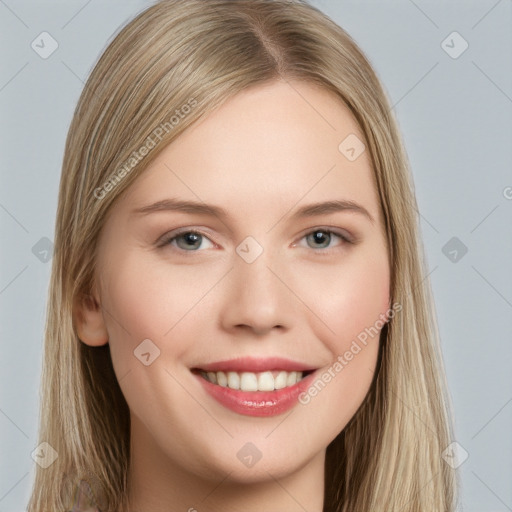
(255, 298)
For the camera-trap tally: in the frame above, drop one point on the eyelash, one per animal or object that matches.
(168, 239)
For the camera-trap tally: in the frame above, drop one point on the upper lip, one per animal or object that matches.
(255, 364)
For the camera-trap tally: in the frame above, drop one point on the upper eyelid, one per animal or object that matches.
(177, 232)
(345, 237)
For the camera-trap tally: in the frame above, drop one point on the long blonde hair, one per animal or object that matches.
(201, 53)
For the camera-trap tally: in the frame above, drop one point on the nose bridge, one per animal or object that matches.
(253, 274)
(257, 298)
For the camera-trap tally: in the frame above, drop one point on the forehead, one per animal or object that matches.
(269, 147)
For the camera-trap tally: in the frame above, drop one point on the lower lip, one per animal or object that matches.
(257, 403)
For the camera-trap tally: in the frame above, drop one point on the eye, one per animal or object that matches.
(189, 241)
(321, 238)
(192, 240)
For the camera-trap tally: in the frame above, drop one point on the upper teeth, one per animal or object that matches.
(248, 381)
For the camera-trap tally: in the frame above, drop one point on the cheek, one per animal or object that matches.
(351, 299)
(144, 300)
(352, 304)
(138, 306)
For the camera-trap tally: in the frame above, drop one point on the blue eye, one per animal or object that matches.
(323, 237)
(192, 241)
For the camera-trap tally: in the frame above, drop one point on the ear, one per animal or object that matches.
(89, 321)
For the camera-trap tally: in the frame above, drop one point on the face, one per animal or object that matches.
(264, 285)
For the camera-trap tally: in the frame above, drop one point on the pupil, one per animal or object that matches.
(321, 237)
(191, 239)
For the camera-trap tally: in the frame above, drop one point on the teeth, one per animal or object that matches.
(222, 379)
(291, 379)
(233, 380)
(249, 381)
(280, 380)
(265, 381)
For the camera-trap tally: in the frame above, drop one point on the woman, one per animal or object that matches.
(239, 316)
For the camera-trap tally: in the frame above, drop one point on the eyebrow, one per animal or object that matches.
(309, 210)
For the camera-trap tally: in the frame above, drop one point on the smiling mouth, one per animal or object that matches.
(253, 381)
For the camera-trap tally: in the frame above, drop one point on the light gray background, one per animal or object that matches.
(455, 115)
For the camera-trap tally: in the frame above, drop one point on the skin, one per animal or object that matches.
(266, 152)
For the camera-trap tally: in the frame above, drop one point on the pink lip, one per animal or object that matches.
(257, 403)
(253, 364)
